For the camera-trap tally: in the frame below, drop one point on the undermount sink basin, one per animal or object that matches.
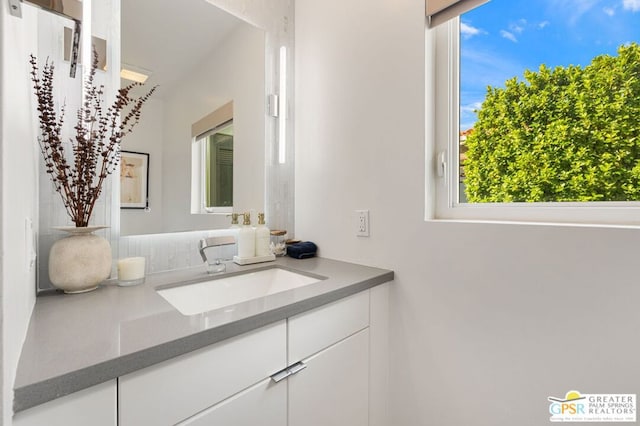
(217, 293)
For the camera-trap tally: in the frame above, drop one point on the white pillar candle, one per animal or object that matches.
(131, 268)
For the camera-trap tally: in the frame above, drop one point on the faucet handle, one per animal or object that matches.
(214, 242)
(217, 241)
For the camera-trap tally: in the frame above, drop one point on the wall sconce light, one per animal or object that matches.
(282, 108)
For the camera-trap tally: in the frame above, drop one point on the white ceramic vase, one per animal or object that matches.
(81, 261)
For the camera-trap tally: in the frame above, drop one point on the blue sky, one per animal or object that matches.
(502, 38)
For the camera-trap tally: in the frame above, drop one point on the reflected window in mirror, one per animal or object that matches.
(218, 168)
(212, 162)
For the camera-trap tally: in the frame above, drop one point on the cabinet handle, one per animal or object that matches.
(297, 367)
(289, 371)
(280, 375)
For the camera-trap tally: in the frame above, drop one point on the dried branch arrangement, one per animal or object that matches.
(96, 145)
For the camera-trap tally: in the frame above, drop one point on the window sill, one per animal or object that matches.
(610, 216)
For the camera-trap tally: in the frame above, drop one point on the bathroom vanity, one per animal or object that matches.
(126, 356)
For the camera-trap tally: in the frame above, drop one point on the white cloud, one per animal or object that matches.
(472, 107)
(609, 11)
(518, 27)
(508, 36)
(572, 10)
(469, 31)
(542, 25)
(632, 5)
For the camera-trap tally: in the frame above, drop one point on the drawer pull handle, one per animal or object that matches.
(280, 375)
(298, 366)
(289, 371)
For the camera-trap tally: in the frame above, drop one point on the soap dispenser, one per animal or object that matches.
(247, 238)
(263, 236)
(234, 221)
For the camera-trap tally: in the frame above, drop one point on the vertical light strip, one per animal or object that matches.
(282, 108)
(87, 47)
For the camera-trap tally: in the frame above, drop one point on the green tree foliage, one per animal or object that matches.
(567, 134)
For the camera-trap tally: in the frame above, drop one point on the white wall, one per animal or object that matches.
(487, 320)
(234, 71)
(18, 200)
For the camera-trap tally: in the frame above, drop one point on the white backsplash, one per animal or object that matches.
(165, 252)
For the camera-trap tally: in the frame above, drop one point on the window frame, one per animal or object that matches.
(442, 47)
(199, 163)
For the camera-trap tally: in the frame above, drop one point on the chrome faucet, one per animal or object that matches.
(215, 266)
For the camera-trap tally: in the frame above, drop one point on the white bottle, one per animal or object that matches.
(263, 237)
(246, 239)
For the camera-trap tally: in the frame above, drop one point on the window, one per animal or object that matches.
(536, 112)
(212, 163)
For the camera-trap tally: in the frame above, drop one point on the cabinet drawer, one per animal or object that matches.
(174, 390)
(315, 330)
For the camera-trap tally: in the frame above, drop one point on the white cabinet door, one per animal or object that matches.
(174, 390)
(95, 406)
(334, 388)
(264, 404)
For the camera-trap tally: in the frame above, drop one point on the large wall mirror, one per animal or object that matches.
(202, 58)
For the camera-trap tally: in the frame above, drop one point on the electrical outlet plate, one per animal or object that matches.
(362, 223)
